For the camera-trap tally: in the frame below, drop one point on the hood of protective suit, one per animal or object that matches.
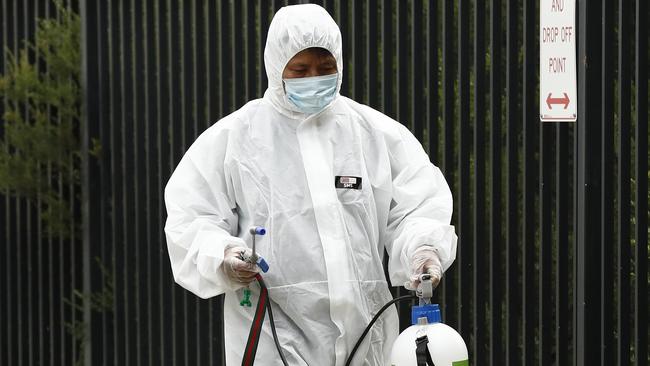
(293, 29)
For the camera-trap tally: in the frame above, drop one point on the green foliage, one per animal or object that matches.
(41, 93)
(100, 301)
(40, 149)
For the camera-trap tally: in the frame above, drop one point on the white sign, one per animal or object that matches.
(558, 99)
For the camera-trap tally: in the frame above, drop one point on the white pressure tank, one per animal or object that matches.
(444, 344)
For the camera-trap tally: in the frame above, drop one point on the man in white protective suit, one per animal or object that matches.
(333, 181)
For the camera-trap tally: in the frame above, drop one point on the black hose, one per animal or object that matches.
(272, 322)
(374, 319)
(275, 335)
(356, 346)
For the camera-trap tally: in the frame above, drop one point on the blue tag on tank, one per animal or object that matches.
(429, 311)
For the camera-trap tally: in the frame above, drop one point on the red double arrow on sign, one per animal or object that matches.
(550, 101)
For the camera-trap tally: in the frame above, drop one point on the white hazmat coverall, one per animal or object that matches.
(267, 164)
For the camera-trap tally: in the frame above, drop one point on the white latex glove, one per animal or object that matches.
(425, 260)
(236, 269)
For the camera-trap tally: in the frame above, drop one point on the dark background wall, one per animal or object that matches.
(552, 218)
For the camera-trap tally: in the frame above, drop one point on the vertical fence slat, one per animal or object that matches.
(622, 327)
(238, 58)
(4, 217)
(448, 89)
(63, 278)
(180, 297)
(607, 193)
(251, 59)
(40, 289)
(387, 58)
(54, 301)
(496, 280)
(562, 242)
(587, 336)
(138, 145)
(53, 296)
(371, 45)
(357, 55)
(186, 92)
(402, 84)
(215, 317)
(342, 19)
(546, 303)
(402, 64)
(26, 227)
(19, 275)
(640, 341)
(512, 243)
(17, 227)
(451, 315)
(8, 352)
(128, 171)
(91, 174)
(124, 172)
(150, 187)
(109, 182)
(114, 148)
(5, 221)
(263, 28)
(481, 346)
(432, 110)
(165, 164)
(189, 133)
(526, 355)
(157, 109)
(106, 177)
(203, 328)
(76, 255)
(466, 241)
(417, 77)
(225, 59)
(32, 327)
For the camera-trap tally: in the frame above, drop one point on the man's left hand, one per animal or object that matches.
(425, 260)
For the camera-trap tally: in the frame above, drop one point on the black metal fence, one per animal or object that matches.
(552, 267)
(39, 271)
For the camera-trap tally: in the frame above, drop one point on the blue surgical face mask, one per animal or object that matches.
(310, 95)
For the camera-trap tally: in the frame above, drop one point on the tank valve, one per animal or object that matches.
(424, 292)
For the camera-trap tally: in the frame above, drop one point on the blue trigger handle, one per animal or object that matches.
(262, 264)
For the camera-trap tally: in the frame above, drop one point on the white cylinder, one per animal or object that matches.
(446, 346)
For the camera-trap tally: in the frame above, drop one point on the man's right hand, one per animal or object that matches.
(236, 269)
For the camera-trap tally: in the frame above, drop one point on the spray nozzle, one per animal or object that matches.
(254, 258)
(257, 230)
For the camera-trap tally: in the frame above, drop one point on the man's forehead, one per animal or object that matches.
(321, 54)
